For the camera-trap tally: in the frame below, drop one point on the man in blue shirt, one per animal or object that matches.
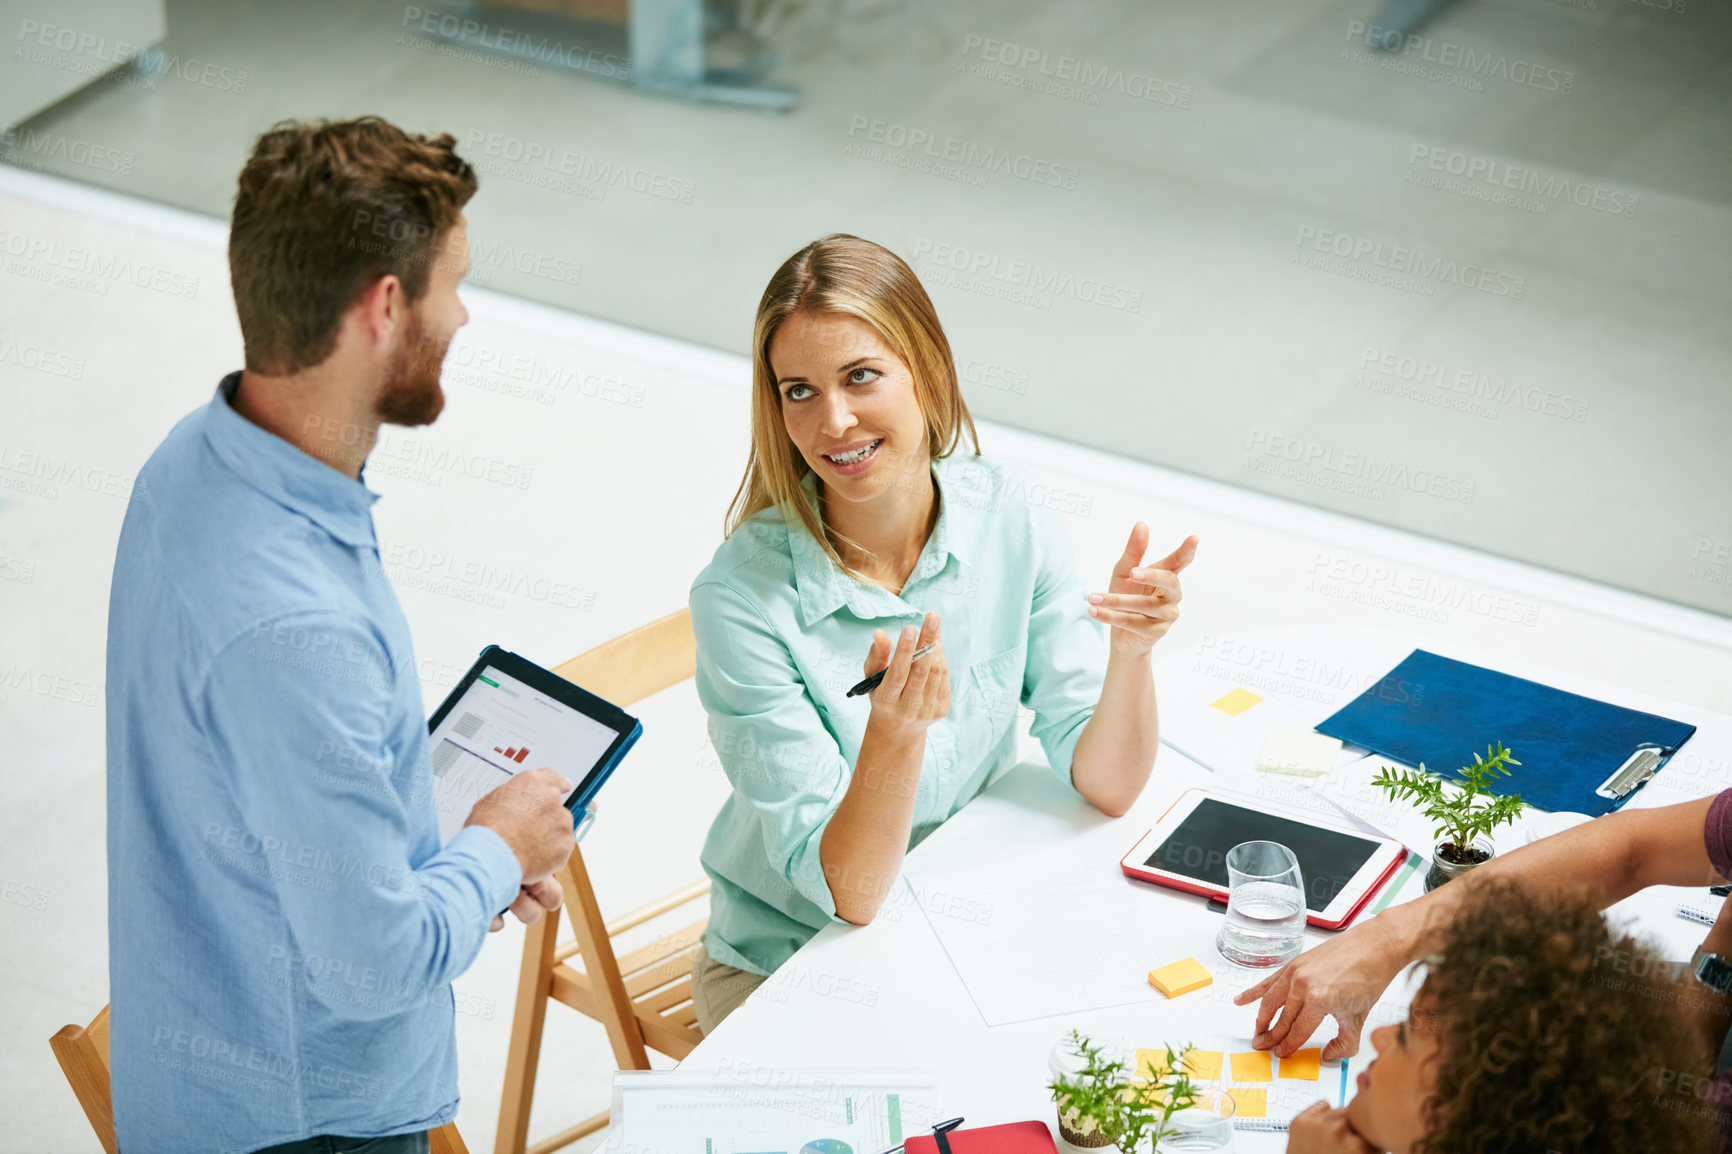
(284, 925)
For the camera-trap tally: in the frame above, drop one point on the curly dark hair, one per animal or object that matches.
(1555, 1034)
(322, 211)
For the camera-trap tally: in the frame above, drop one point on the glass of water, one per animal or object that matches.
(1265, 923)
(1205, 1127)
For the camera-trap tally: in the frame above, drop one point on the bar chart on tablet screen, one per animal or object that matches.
(500, 727)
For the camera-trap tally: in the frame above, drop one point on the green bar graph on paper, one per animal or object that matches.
(895, 1104)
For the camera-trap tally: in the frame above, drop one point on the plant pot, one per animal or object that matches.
(1071, 1131)
(1447, 863)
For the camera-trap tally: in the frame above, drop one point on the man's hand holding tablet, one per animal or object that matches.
(529, 812)
(483, 733)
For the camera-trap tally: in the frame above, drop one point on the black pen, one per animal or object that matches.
(938, 1130)
(877, 679)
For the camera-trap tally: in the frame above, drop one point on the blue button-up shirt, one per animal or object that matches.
(283, 925)
(782, 634)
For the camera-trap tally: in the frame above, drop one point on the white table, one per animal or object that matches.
(887, 994)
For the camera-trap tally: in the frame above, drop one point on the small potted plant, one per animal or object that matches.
(1464, 825)
(1103, 1108)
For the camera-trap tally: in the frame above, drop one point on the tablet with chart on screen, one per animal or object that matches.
(508, 715)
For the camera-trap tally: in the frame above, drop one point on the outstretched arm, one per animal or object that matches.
(1616, 855)
(1116, 751)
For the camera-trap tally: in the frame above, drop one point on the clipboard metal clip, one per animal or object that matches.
(1639, 767)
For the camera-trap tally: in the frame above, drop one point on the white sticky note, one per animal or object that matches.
(1300, 752)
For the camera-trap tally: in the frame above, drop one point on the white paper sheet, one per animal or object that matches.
(1224, 742)
(1056, 934)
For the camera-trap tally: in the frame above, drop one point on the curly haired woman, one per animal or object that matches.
(1538, 1029)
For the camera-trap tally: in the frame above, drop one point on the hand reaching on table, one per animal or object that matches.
(1343, 978)
(1142, 601)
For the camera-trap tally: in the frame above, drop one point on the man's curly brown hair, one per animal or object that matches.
(322, 211)
(1555, 1034)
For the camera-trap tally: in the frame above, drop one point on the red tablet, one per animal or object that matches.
(1187, 850)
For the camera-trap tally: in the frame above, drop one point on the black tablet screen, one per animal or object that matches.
(1198, 848)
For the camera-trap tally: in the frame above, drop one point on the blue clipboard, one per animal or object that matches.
(1577, 753)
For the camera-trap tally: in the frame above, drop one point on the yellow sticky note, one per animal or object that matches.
(1253, 1067)
(1302, 1065)
(1203, 1101)
(1204, 1064)
(1181, 977)
(1236, 702)
(1151, 1064)
(1249, 1101)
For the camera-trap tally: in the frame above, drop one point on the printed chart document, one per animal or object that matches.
(751, 1109)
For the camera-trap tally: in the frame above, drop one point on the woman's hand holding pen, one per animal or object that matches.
(913, 694)
(862, 846)
(1142, 601)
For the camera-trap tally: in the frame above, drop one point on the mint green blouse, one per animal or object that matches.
(782, 634)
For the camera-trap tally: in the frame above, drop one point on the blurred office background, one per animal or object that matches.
(1417, 315)
(1458, 268)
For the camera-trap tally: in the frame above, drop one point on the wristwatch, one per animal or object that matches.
(1712, 970)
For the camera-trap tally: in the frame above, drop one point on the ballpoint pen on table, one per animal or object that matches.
(940, 1129)
(877, 679)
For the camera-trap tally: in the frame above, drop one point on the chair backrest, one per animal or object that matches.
(634, 665)
(624, 670)
(83, 1055)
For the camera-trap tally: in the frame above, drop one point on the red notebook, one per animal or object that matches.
(1015, 1138)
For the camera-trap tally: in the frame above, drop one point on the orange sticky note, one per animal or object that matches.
(1253, 1067)
(1151, 1064)
(1181, 977)
(1204, 1064)
(1236, 702)
(1249, 1101)
(1302, 1065)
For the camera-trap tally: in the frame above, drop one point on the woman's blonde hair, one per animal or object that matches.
(846, 276)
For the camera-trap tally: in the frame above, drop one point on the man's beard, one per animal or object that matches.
(412, 395)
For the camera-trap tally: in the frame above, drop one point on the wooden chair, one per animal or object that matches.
(643, 997)
(83, 1055)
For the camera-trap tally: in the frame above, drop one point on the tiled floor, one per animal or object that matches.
(1282, 207)
(618, 480)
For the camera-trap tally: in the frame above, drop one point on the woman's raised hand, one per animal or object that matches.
(913, 694)
(1142, 601)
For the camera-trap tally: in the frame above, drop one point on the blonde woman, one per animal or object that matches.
(855, 533)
